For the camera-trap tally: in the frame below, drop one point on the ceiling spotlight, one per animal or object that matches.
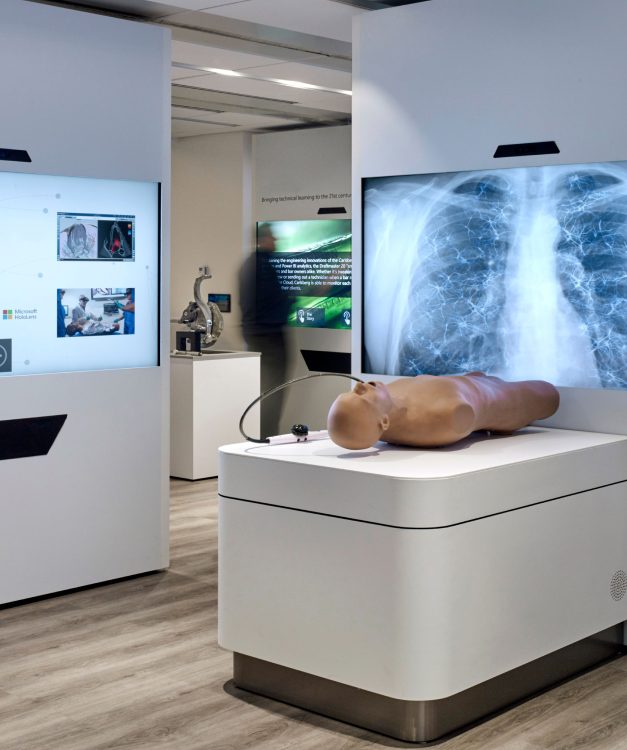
(222, 72)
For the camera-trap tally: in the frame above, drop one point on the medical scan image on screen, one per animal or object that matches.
(312, 260)
(519, 273)
(51, 303)
(100, 237)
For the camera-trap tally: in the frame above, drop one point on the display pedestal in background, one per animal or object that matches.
(208, 395)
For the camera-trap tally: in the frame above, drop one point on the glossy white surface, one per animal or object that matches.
(414, 487)
(208, 395)
(418, 614)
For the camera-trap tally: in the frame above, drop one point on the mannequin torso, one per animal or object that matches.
(432, 410)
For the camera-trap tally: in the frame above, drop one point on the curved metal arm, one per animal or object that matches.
(198, 297)
(279, 388)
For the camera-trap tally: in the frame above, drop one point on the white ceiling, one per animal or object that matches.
(320, 17)
(249, 87)
(310, 43)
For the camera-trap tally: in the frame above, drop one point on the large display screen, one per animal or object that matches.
(520, 273)
(60, 236)
(312, 260)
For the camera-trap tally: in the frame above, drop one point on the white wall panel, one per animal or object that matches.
(89, 96)
(439, 85)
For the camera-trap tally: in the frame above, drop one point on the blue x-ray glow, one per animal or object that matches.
(520, 273)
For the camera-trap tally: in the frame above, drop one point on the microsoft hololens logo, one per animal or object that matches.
(7, 315)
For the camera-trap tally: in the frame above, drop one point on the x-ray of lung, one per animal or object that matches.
(520, 273)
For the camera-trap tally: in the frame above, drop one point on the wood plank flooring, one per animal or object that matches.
(135, 665)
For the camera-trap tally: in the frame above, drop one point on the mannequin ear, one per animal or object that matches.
(384, 422)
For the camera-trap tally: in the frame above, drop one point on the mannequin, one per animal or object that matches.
(428, 411)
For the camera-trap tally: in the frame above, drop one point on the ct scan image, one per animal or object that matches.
(520, 273)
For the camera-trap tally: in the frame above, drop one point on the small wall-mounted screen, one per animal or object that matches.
(223, 301)
(48, 221)
(520, 273)
(312, 261)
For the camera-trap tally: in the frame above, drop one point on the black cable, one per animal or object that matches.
(280, 387)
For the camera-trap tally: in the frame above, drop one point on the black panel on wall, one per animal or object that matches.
(12, 154)
(23, 438)
(527, 149)
(319, 361)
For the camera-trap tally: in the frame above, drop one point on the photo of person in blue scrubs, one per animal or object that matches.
(129, 311)
(97, 311)
(60, 314)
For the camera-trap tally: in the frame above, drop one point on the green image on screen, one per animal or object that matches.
(313, 262)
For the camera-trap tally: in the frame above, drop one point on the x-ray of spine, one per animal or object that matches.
(520, 273)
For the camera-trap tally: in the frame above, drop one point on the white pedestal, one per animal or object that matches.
(411, 591)
(208, 394)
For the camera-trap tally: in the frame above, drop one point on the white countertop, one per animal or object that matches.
(478, 476)
(212, 354)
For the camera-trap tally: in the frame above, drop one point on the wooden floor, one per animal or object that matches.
(136, 665)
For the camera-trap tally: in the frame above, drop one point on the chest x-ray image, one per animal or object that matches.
(520, 273)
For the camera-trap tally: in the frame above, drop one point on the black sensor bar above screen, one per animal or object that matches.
(527, 149)
(11, 154)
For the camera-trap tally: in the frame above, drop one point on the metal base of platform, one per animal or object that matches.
(423, 721)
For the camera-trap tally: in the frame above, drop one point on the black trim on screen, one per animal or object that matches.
(159, 289)
(362, 348)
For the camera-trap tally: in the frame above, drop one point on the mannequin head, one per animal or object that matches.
(358, 419)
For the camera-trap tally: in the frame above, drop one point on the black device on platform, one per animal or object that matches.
(194, 338)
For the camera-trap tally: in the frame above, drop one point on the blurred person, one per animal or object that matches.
(265, 307)
(129, 311)
(60, 314)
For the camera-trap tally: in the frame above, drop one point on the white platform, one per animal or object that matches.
(207, 397)
(474, 559)
(408, 487)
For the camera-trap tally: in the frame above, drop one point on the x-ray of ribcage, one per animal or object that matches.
(520, 273)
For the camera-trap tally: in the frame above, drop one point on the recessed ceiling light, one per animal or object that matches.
(279, 81)
(205, 122)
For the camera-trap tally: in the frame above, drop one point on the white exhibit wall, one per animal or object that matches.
(211, 194)
(295, 173)
(438, 86)
(90, 98)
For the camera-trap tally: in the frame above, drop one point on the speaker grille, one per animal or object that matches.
(618, 586)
